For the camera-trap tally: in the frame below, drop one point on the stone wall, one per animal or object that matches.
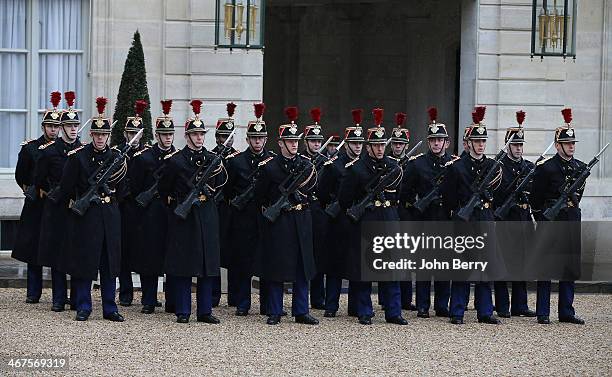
(496, 48)
(182, 64)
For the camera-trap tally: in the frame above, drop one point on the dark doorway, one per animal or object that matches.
(340, 55)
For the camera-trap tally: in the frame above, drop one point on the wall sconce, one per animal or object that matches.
(237, 32)
(553, 28)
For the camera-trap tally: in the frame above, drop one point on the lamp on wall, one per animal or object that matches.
(238, 32)
(553, 28)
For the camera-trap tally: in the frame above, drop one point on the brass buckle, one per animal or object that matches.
(487, 205)
(377, 203)
(202, 198)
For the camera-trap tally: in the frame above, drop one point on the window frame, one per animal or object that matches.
(33, 53)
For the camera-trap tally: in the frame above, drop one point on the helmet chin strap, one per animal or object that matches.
(192, 143)
(351, 149)
(287, 148)
(566, 156)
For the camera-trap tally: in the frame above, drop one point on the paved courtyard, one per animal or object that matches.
(156, 345)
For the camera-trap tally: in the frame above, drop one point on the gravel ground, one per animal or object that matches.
(155, 344)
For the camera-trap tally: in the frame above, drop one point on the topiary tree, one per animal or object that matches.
(133, 87)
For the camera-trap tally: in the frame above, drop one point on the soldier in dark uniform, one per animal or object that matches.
(456, 191)
(550, 175)
(128, 207)
(313, 136)
(287, 252)
(149, 231)
(352, 190)
(332, 147)
(94, 240)
(48, 172)
(224, 128)
(245, 219)
(25, 248)
(514, 167)
(342, 230)
(466, 144)
(400, 138)
(192, 244)
(421, 174)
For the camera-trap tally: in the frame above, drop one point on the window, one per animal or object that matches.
(42, 49)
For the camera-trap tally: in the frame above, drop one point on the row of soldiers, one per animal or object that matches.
(284, 217)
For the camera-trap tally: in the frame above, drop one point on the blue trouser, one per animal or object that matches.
(317, 290)
(362, 293)
(82, 289)
(148, 284)
(502, 297)
(126, 286)
(182, 287)
(352, 299)
(34, 289)
(232, 287)
(242, 295)
(566, 299)
(406, 289)
(388, 291)
(460, 293)
(333, 289)
(392, 296)
(216, 290)
(442, 292)
(299, 299)
(58, 288)
(263, 296)
(170, 294)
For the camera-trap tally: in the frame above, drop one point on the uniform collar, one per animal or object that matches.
(106, 149)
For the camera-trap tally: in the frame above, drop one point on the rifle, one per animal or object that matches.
(423, 202)
(333, 209)
(31, 193)
(502, 211)
(568, 191)
(85, 125)
(404, 162)
(295, 179)
(480, 185)
(144, 198)
(240, 201)
(183, 208)
(81, 205)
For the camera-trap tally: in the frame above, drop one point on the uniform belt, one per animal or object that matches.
(487, 205)
(201, 198)
(385, 203)
(105, 199)
(297, 207)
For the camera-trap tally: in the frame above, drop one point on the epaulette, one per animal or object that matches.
(331, 160)
(75, 150)
(171, 154)
(26, 142)
(233, 154)
(116, 148)
(350, 163)
(394, 158)
(142, 150)
(45, 145)
(272, 153)
(543, 160)
(454, 157)
(262, 163)
(303, 155)
(415, 157)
